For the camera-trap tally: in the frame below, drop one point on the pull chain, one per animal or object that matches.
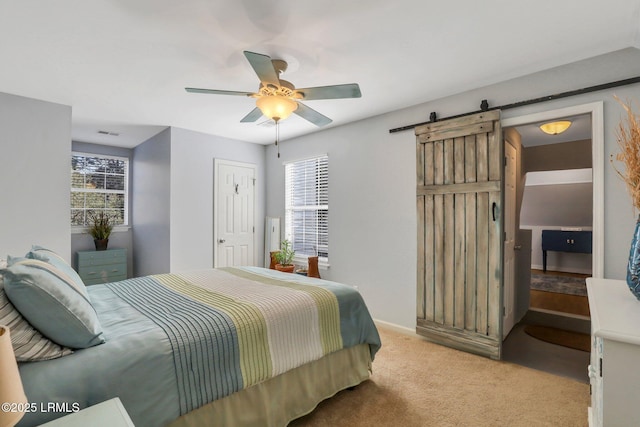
(277, 120)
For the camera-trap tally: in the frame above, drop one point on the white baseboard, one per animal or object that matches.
(397, 328)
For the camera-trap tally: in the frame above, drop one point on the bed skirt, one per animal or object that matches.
(288, 396)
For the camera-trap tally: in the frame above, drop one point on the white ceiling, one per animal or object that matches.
(123, 64)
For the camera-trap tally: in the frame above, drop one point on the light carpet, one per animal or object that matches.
(418, 383)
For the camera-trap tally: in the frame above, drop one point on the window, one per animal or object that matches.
(307, 207)
(98, 184)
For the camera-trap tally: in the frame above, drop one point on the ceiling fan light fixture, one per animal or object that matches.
(276, 106)
(555, 128)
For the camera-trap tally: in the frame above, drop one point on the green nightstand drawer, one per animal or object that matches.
(110, 256)
(102, 266)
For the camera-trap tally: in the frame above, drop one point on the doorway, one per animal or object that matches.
(560, 360)
(596, 111)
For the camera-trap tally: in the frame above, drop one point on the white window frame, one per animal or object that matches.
(125, 192)
(301, 259)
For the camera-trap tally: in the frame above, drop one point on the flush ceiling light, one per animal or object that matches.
(555, 128)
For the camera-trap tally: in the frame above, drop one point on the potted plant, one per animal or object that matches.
(285, 257)
(100, 229)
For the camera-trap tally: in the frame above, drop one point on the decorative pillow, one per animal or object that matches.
(28, 344)
(52, 303)
(47, 255)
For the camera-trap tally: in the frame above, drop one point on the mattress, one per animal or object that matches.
(177, 343)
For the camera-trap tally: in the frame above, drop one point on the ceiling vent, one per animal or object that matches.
(104, 132)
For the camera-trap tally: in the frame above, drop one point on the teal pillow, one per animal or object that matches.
(47, 255)
(29, 345)
(52, 303)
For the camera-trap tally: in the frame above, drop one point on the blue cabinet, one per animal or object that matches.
(102, 266)
(565, 241)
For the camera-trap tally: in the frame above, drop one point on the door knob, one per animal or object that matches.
(221, 240)
(517, 247)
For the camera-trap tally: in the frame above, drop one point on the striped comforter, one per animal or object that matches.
(235, 327)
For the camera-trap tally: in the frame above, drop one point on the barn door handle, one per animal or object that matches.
(493, 211)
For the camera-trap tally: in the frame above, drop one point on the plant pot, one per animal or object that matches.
(101, 244)
(313, 267)
(285, 268)
(274, 260)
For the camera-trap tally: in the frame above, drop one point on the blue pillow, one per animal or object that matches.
(29, 345)
(47, 255)
(52, 303)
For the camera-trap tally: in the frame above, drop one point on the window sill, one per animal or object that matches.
(85, 230)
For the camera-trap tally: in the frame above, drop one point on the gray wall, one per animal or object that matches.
(121, 237)
(173, 199)
(151, 205)
(372, 180)
(566, 205)
(566, 155)
(192, 158)
(35, 153)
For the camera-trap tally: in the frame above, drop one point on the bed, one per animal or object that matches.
(231, 346)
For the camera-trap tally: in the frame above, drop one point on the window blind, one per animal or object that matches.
(307, 206)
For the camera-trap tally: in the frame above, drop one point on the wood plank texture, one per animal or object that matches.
(421, 260)
(438, 258)
(460, 236)
(475, 129)
(459, 179)
(420, 206)
(429, 256)
(467, 187)
(429, 291)
(488, 116)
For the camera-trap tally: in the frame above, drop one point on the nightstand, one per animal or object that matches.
(102, 266)
(109, 413)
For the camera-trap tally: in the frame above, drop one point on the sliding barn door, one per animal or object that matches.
(459, 200)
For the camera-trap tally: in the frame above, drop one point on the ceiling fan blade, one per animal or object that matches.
(254, 115)
(263, 67)
(351, 90)
(312, 115)
(217, 92)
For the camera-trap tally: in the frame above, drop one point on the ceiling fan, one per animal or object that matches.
(277, 98)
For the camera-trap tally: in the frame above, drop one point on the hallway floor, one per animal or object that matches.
(525, 350)
(522, 349)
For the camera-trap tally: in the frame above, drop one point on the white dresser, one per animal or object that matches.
(615, 354)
